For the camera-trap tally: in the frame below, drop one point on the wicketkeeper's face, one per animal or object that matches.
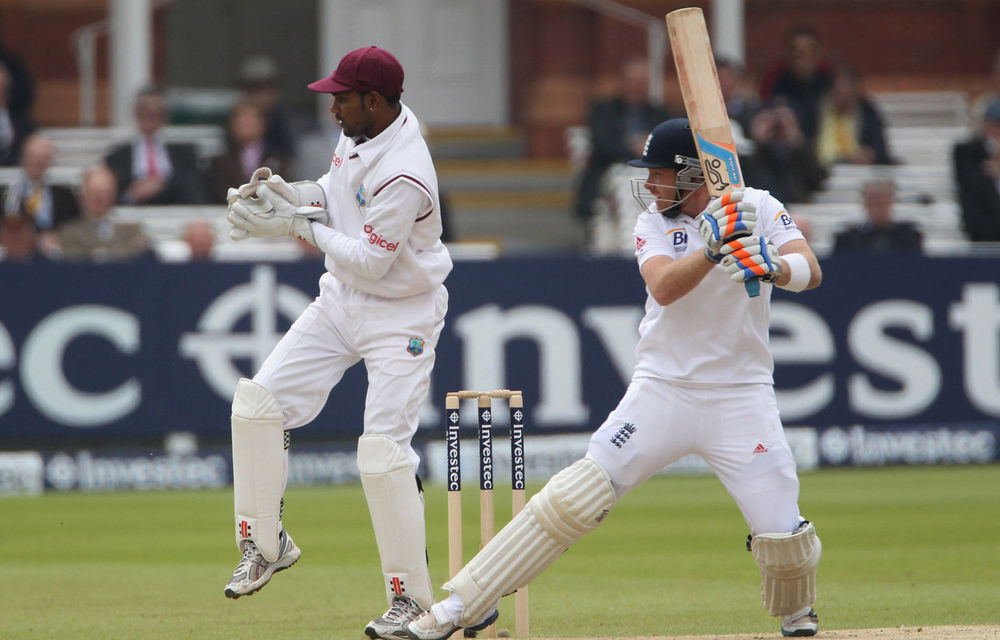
(349, 111)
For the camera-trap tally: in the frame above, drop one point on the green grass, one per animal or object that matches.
(914, 546)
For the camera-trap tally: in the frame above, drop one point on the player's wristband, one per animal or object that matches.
(798, 272)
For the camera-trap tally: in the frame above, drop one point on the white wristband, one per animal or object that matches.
(799, 272)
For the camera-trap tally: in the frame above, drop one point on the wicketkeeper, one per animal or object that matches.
(377, 217)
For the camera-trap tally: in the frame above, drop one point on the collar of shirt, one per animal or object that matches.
(373, 147)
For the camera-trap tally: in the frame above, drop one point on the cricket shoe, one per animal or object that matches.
(253, 571)
(804, 622)
(392, 624)
(427, 627)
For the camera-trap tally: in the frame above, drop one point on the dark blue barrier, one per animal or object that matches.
(98, 354)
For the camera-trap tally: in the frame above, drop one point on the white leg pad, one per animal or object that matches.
(260, 466)
(788, 563)
(397, 511)
(572, 503)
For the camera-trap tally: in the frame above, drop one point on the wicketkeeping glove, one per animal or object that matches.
(726, 219)
(283, 218)
(247, 193)
(751, 257)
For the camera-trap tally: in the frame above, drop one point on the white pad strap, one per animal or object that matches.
(394, 502)
(572, 503)
(799, 272)
(788, 563)
(260, 466)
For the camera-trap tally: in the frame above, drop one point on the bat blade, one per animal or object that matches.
(705, 106)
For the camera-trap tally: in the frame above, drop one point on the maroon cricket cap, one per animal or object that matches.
(365, 69)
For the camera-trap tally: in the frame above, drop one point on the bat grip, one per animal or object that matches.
(752, 287)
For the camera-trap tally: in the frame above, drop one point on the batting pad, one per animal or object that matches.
(397, 510)
(788, 563)
(572, 503)
(260, 466)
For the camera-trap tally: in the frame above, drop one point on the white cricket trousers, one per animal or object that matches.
(735, 428)
(396, 338)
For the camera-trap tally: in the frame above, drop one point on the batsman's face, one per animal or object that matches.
(661, 183)
(349, 111)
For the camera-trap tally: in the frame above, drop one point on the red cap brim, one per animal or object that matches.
(328, 85)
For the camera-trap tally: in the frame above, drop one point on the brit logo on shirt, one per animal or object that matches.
(416, 347)
(360, 196)
(678, 238)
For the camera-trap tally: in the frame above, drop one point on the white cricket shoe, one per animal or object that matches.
(427, 627)
(804, 622)
(392, 624)
(253, 571)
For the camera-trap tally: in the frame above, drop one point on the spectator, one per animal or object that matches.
(95, 236)
(46, 205)
(879, 232)
(977, 175)
(259, 79)
(784, 161)
(741, 103)
(618, 129)
(977, 110)
(21, 89)
(774, 154)
(800, 80)
(199, 236)
(850, 130)
(150, 171)
(15, 125)
(246, 149)
(18, 240)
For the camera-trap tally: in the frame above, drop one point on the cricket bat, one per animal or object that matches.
(705, 106)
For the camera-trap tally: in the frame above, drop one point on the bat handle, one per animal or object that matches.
(752, 287)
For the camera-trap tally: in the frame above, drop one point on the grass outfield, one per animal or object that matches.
(903, 546)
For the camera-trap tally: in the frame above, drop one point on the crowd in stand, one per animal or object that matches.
(804, 115)
(46, 221)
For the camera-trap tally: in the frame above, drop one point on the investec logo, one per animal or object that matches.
(485, 457)
(215, 346)
(453, 443)
(517, 456)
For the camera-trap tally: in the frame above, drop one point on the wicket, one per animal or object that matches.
(486, 509)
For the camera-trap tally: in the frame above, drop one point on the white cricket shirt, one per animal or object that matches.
(385, 217)
(715, 334)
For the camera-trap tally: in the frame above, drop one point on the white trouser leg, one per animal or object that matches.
(260, 466)
(397, 513)
(572, 503)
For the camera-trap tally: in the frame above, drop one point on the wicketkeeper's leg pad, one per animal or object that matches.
(260, 466)
(788, 563)
(572, 503)
(397, 511)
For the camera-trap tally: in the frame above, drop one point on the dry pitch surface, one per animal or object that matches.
(963, 632)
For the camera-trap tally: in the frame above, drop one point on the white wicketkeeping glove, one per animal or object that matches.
(281, 219)
(247, 193)
(751, 257)
(726, 219)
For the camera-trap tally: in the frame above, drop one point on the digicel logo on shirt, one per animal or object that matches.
(376, 239)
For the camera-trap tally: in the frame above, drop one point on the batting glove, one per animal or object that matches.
(751, 257)
(726, 219)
